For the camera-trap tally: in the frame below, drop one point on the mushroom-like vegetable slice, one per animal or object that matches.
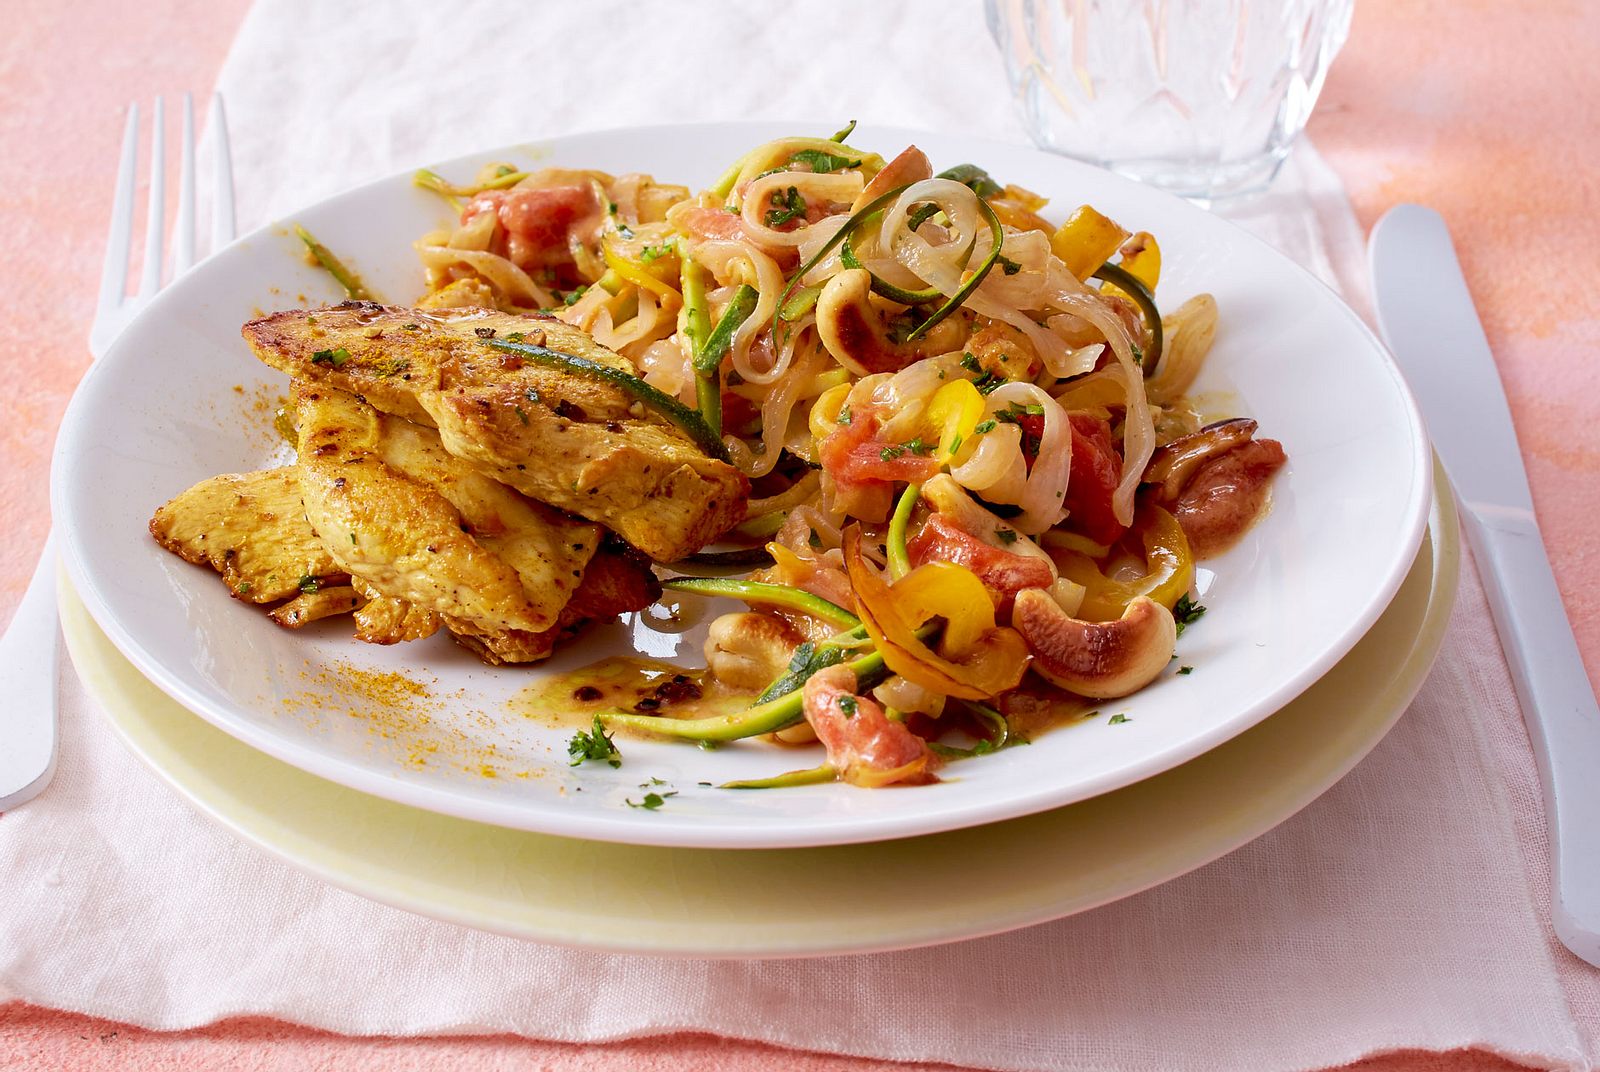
(851, 328)
(1101, 660)
(1172, 465)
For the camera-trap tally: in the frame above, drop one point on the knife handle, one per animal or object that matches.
(1558, 706)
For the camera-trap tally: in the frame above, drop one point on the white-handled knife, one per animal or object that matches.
(1429, 322)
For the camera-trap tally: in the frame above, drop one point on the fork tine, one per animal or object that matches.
(222, 177)
(183, 255)
(114, 272)
(155, 217)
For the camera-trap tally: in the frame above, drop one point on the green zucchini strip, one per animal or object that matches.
(899, 558)
(708, 358)
(692, 424)
(843, 233)
(335, 267)
(768, 717)
(1133, 286)
(961, 295)
(883, 287)
(809, 776)
(999, 736)
(777, 595)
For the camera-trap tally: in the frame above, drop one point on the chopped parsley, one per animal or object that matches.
(243, 588)
(847, 704)
(970, 362)
(821, 162)
(1007, 265)
(1138, 353)
(786, 207)
(955, 445)
(1006, 536)
(917, 446)
(651, 253)
(1185, 670)
(984, 426)
(1118, 719)
(651, 801)
(844, 416)
(571, 297)
(814, 540)
(891, 452)
(596, 744)
(1186, 612)
(515, 336)
(309, 584)
(335, 358)
(532, 395)
(522, 414)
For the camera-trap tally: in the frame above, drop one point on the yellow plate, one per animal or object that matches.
(797, 902)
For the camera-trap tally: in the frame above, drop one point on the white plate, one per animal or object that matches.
(797, 902)
(178, 399)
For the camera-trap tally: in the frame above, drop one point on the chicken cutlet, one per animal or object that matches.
(250, 528)
(430, 532)
(581, 444)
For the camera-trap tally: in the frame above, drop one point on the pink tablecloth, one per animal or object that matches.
(1479, 110)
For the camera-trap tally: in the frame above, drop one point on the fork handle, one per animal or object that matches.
(28, 654)
(1558, 705)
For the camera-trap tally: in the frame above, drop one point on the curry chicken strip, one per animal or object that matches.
(581, 444)
(419, 526)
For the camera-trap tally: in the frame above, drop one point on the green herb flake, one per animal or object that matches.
(814, 540)
(571, 297)
(1006, 536)
(596, 745)
(532, 395)
(891, 452)
(823, 163)
(515, 336)
(984, 426)
(1185, 670)
(1118, 719)
(653, 253)
(1186, 612)
(243, 588)
(786, 207)
(1007, 265)
(335, 358)
(955, 445)
(844, 416)
(848, 705)
(970, 363)
(309, 584)
(1138, 353)
(522, 414)
(651, 801)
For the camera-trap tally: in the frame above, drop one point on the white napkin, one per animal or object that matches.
(1399, 911)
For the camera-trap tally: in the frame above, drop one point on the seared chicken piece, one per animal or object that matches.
(250, 528)
(384, 620)
(441, 542)
(419, 525)
(617, 580)
(578, 443)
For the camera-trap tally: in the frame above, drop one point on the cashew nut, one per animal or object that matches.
(747, 649)
(1101, 660)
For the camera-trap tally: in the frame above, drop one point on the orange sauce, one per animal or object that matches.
(629, 683)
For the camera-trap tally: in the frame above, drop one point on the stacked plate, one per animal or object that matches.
(416, 776)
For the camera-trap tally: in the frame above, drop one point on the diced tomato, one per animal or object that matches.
(1001, 571)
(864, 745)
(1096, 472)
(852, 455)
(539, 220)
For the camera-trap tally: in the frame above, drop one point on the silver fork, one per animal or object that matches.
(29, 650)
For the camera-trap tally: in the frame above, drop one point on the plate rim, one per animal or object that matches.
(707, 833)
(213, 800)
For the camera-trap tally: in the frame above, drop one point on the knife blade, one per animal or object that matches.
(1430, 324)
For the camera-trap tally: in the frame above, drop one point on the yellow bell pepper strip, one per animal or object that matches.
(640, 276)
(952, 417)
(1127, 283)
(1169, 570)
(334, 266)
(1141, 258)
(808, 776)
(826, 409)
(1086, 241)
(976, 658)
(1095, 394)
(690, 422)
(762, 593)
